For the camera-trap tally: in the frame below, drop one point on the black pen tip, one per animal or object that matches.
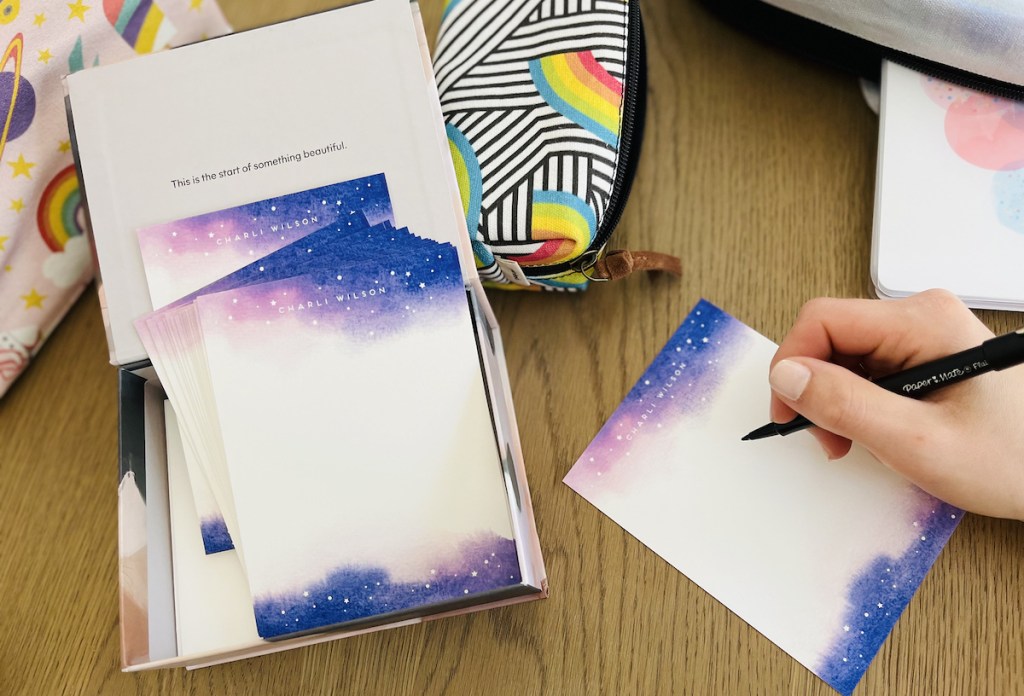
(762, 432)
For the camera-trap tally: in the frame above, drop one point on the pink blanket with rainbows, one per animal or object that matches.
(45, 261)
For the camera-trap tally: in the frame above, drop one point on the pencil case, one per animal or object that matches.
(976, 45)
(544, 104)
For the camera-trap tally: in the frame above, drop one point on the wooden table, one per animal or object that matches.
(758, 171)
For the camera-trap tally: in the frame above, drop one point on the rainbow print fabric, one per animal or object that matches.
(534, 107)
(45, 261)
(141, 23)
(578, 87)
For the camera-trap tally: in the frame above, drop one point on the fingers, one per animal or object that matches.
(877, 337)
(847, 406)
(888, 336)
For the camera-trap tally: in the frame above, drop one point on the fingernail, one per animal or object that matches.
(789, 379)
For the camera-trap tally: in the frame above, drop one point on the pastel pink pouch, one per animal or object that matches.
(45, 260)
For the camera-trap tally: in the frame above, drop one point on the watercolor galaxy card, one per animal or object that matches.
(185, 255)
(949, 203)
(362, 458)
(820, 557)
(174, 343)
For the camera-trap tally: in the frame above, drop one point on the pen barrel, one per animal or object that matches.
(919, 381)
(1005, 351)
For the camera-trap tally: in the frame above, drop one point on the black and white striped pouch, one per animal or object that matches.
(544, 107)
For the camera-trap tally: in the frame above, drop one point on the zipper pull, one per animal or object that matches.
(621, 263)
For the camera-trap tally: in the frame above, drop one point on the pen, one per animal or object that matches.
(996, 353)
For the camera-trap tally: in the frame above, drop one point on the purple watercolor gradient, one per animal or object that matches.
(480, 565)
(184, 255)
(881, 590)
(370, 304)
(679, 385)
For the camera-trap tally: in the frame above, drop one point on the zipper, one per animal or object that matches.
(986, 85)
(630, 138)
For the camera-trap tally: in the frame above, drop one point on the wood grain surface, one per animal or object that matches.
(758, 170)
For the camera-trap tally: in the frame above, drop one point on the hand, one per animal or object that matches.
(963, 444)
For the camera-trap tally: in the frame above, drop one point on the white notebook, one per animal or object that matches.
(949, 204)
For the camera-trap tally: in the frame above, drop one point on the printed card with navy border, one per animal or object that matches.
(321, 231)
(363, 463)
(820, 557)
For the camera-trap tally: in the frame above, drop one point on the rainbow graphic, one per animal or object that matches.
(14, 51)
(576, 86)
(449, 5)
(60, 210)
(141, 23)
(566, 225)
(471, 189)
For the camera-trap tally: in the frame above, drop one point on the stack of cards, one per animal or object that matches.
(305, 345)
(293, 272)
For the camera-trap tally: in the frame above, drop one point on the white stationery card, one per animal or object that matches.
(949, 205)
(820, 557)
(359, 443)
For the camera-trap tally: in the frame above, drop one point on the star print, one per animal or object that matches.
(211, 235)
(3, 241)
(33, 299)
(422, 285)
(40, 18)
(196, 5)
(21, 167)
(17, 205)
(45, 57)
(65, 146)
(273, 303)
(78, 9)
(407, 274)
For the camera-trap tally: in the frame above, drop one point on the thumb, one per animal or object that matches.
(837, 400)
